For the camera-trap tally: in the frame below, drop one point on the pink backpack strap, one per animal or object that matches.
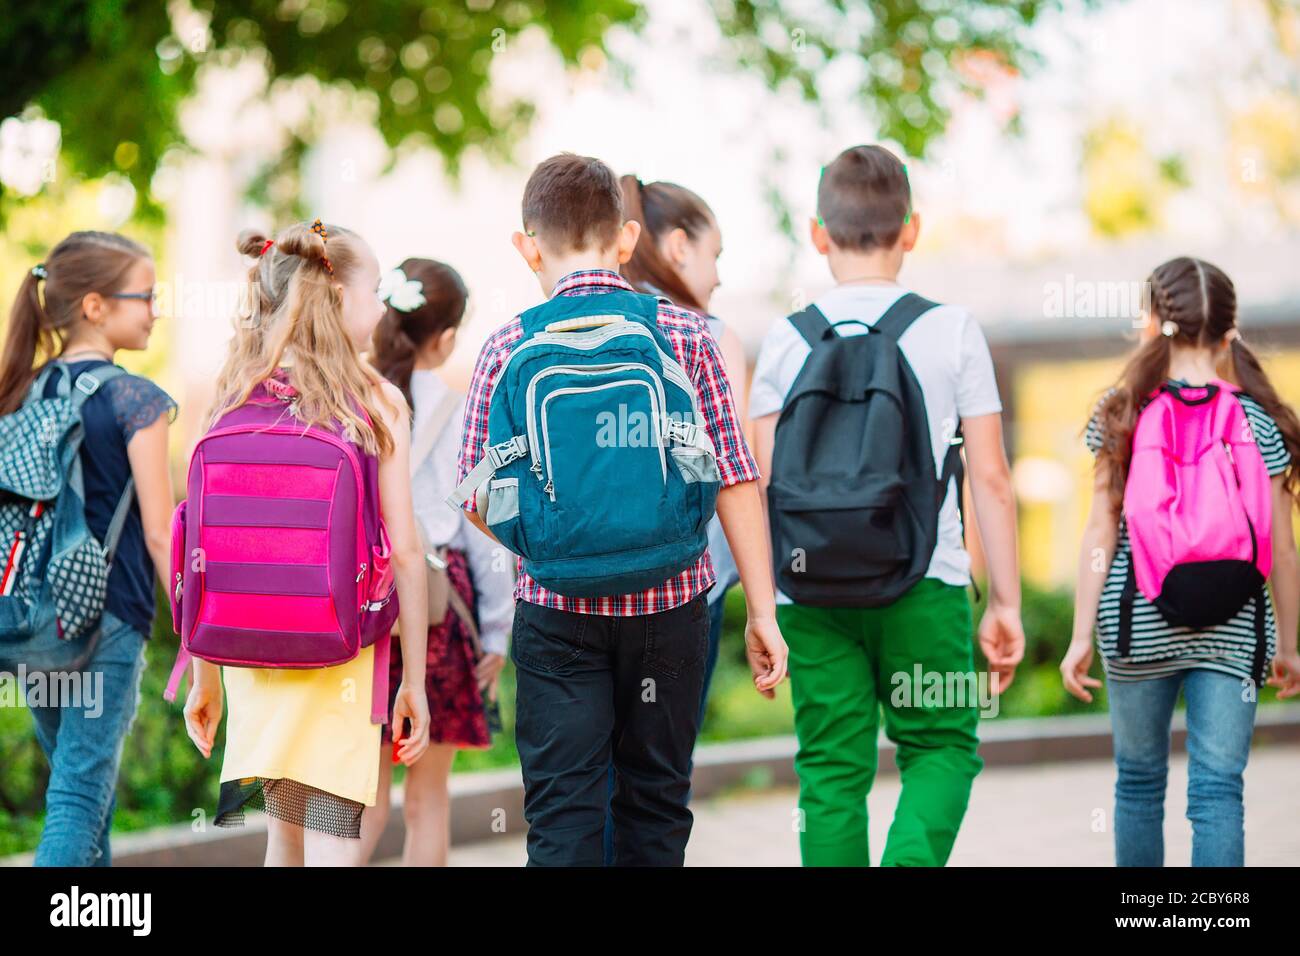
(379, 692)
(178, 670)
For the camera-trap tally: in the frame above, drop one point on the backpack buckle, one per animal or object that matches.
(507, 451)
(87, 383)
(685, 433)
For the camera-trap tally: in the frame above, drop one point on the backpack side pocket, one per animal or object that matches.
(177, 580)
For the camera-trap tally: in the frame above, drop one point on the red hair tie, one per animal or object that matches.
(269, 244)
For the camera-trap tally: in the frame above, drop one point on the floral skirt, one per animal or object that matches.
(456, 714)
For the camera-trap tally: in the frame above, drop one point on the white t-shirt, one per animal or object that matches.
(950, 358)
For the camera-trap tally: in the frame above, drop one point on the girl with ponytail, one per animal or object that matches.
(677, 257)
(297, 746)
(92, 297)
(1190, 340)
(466, 647)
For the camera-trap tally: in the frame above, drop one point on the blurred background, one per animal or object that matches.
(1058, 150)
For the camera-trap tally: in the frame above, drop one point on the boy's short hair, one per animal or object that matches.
(572, 201)
(864, 198)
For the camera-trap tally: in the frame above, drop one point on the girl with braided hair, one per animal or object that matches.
(1190, 340)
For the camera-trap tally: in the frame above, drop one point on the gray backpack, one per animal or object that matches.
(53, 572)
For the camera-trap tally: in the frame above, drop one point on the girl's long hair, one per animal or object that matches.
(400, 335)
(294, 305)
(1201, 302)
(40, 325)
(661, 208)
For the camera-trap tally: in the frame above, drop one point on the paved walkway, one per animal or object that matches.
(1045, 815)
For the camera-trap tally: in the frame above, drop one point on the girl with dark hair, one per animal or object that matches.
(466, 650)
(677, 257)
(1190, 342)
(92, 297)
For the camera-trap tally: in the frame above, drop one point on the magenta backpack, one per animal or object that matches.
(279, 554)
(1199, 511)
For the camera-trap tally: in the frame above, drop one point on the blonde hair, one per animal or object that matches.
(293, 304)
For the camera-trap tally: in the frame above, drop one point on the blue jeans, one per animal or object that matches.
(83, 742)
(1219, 727)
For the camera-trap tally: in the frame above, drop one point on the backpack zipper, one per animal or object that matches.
(530, 399)
(1254, 543)
(655, 417)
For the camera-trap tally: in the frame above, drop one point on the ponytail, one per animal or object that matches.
(660, 208)
(1119, 411)
(1249, 374)
(29, 333)
(401, 333)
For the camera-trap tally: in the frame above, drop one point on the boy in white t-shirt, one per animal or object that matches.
(846, 663)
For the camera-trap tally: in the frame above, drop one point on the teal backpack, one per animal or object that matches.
(598, 470)
(53, 571)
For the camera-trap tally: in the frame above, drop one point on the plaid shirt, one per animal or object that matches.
(697, 353)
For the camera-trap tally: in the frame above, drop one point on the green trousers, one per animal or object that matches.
(846, 665)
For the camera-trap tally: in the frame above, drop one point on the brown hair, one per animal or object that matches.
(1200, 301)
(294, 304)
(661, 208)
(400, 335)
(864, 198)
(571, 202)
(83, 263)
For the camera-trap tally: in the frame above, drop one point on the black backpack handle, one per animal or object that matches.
(1210, 389)
(830, 333)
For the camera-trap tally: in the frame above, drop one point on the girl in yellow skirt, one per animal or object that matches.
(300, 744)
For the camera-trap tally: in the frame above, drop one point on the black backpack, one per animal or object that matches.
(854, 500)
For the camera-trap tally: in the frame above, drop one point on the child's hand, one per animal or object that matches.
(1286, 674)
(1002, 638)
(488, 673)
(1074, 670)
(412, 705)
(203, 709)
(767, 653)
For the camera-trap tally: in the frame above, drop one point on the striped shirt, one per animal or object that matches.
(697, 353)
(1159, 649)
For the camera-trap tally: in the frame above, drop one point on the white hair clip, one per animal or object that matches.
(38, 270)
(1168, 328)
(403, 294)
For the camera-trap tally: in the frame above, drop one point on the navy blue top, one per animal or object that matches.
(111, 417)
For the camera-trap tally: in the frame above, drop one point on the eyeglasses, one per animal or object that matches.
(151, 297)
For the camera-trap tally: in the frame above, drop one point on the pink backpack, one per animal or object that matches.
(279, 554)
(1199, 510)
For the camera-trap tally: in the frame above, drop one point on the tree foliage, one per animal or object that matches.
(113, 73)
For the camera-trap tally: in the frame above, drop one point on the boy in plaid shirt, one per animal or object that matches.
(582, 662)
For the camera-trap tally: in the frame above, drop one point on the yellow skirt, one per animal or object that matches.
(309, 726)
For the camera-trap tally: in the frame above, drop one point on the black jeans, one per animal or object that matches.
(594, 690)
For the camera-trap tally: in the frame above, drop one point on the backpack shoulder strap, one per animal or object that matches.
(90, 381)
(811, 323)
(898, 317)
(115, 526)
(423, 442)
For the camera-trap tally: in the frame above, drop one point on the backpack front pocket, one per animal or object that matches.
(846, 542)
(605, 467)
